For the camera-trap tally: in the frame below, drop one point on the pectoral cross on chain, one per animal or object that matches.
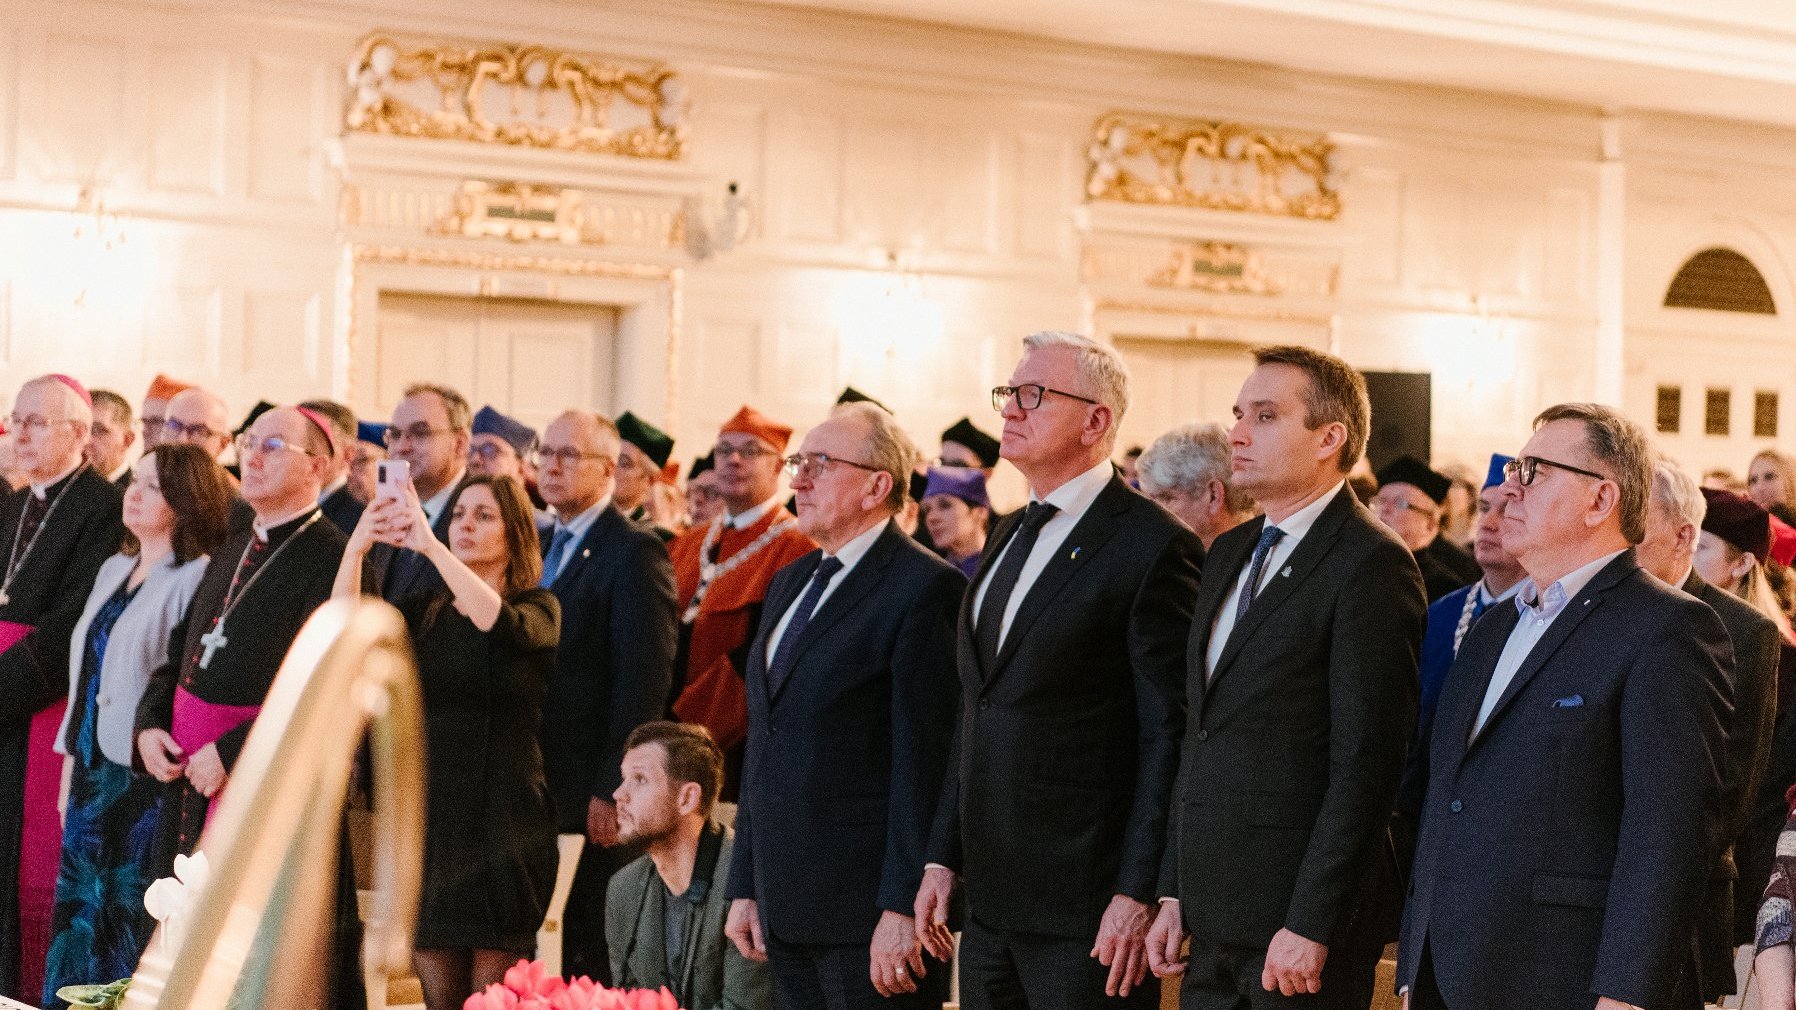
(213, 640)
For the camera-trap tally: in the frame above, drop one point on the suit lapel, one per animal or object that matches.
(1473, 667)
(995, 545)
(1087, 537)
(581, 551)
(860, 580)
(1314, 546)
(1576, 610)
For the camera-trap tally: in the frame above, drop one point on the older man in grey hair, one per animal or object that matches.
(1186, 471)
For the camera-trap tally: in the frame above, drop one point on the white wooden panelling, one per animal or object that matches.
(1045, 191)
(804, 169)
(188, 122)
(726, 353)
(9, 105)
(81, 124)
(284, 97)
(184, 331)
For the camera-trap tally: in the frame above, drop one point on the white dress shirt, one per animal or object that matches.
(851, 552)
(1072, 499)
(434, 505)
(576, 528)
(1295, 526)
(743, 520)
(1538, 610)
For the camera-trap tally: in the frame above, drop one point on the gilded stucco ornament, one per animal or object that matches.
(1212, 165)
(522, 95)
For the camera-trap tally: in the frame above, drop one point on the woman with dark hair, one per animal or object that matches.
(485, 648)
(176, 512)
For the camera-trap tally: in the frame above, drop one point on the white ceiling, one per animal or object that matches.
(1734, 59)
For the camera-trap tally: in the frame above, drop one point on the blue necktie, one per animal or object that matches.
(1268, 536)
(557, 548)
(786, 653)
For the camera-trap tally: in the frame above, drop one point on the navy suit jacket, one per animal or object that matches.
(615, 662)
(341, 508)
(1057, 794)
(1563, 851)
(845, 762)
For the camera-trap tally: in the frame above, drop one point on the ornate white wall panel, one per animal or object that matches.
(77, 122)
(188, 123)
(9, 107)
(288, 103)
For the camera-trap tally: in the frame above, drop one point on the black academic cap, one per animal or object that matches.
(853, 395)
(1412, 471)
(261, 407)
(701, 464)
(984, 446)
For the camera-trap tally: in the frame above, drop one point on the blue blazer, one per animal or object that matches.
(1563, 852)
(1436, 658)
(845, 763)
(615, 663)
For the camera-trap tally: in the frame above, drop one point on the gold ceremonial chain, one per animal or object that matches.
(709, 573)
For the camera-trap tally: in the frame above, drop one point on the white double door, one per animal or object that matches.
(529, 359)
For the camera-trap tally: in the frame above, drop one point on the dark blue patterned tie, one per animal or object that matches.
(557, 548)
(786, 653)
(1268, 536)
(988, 632)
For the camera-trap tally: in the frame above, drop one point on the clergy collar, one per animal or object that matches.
(117, 475)
(266, 531)
(41, 490)
(333, 487)
(754, 515)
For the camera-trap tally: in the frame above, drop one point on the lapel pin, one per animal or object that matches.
(1074, 556)
(1286, 573)
(587, 553)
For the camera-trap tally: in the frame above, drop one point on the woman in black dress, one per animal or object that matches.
(485, 648)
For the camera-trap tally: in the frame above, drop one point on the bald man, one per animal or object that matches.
(54, 535)
(198, 417)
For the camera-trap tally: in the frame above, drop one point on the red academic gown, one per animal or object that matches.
(713, 694)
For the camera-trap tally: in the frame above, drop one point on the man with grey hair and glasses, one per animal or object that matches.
(1071, 658)
(1575, 783)
(851, 697)
(1674, 518)
(1186, 471)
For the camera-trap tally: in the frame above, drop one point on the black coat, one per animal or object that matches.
(1445, 568)
(400, 573)
(845, 762)
(1057, 794)
(341, 508)
(1564, 851)
(615, 663)
(1295, 745)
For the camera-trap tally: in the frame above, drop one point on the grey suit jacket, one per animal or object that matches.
(138, 644)
(716, 975)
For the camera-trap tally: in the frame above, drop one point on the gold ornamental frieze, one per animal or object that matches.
(520, 95)
(1211, 165)
(1217, 267)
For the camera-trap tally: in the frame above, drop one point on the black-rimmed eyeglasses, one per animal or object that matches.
(1523, 469)
(1028, 396)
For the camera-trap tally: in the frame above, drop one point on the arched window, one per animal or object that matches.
(1723, 280)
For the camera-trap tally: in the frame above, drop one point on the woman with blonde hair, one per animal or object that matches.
(1771, 481)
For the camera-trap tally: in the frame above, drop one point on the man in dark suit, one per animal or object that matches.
(614, 666)
(1677, 512)
(1569, 826)
(1301, 700)
(1409, 500)
(114, 433)
(430, 432)
(1071, 651)
(338, 504)
(852, 693)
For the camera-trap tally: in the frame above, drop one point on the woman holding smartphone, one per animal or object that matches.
(485, 646)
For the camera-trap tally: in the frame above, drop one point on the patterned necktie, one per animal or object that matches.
(786, 653)
(988, 632)
(557, 548)
(1268, 536)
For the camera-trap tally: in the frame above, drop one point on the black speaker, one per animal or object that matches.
(1402, 404)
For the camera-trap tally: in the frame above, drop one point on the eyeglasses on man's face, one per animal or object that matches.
(258, 445)
(566, 455)
(393, 435)
(174, 430)
(1523, 469)
(489, 452)
(1028, 396)
(809, 465)
(748, 452)
(35, 425)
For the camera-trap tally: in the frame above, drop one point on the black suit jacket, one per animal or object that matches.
(341, 508)
(1563, 851)
(845, 762)
(402, 573)
(1294, 747)
(1066, 750)
(612, 671)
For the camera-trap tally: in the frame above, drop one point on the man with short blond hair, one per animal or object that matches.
(1575, 762)
(55, 533)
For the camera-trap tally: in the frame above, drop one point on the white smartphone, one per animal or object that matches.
(391, 478)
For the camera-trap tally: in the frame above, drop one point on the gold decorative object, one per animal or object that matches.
(1214, 310)
(261, 926)
(1218, 267)
(517, 211)
(529, 96)
(1216, 166)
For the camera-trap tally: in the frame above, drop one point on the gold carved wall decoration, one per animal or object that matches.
(1216, 166)
(1219, 267)
(529, 96)
(521, 212)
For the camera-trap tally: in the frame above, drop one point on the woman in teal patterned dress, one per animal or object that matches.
(176, 512)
